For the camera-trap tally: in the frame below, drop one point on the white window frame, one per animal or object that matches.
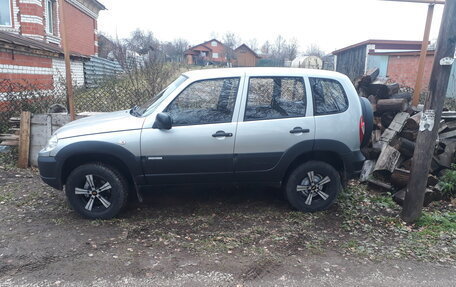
(10, 14)
(214, 43)
(215, 55)
(49, 17)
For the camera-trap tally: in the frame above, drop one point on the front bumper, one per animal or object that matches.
(50, 171)
(353, 163)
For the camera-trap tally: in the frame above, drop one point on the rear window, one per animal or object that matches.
(328, 95)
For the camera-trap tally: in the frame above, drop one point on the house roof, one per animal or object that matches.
(248, 48)
(190, 52)
(14, 41)
(384, 44)
(402, 53)
(99, 5)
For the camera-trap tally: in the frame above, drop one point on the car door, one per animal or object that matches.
(276, 120)
(199, 146)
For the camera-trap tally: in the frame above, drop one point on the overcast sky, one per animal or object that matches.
(332, 24)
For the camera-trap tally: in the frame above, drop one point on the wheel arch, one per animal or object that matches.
(80, 153)
(328, 151)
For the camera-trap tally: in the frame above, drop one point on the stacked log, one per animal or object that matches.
(396, 124)
(12, 138)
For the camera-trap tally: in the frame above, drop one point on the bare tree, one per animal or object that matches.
(266, 48)
(253, 44)
(231, 41)
(144, 61)
(279, 47)
(142, 42)
(314, 50)
(291, 49)
(175, 50)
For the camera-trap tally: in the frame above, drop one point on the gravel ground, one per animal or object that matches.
(219, 237)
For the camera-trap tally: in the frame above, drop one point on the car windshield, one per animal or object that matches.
(149, 106)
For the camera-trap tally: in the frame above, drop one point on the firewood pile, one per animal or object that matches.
(390, 153)
(12, 138)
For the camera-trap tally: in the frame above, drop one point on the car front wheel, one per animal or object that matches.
(96, 191)
(313, 186)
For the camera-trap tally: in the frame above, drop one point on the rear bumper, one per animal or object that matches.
(353, 163)
(49, 171)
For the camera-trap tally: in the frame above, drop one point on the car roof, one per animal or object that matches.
(261, 71)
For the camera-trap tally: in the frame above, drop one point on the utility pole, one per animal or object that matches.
(429, 124)
(424, 46)
(423, 53)
(66, 53)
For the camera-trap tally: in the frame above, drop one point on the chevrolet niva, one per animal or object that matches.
(298, 129)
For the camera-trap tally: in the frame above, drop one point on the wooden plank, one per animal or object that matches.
(398, 122)
(367, 169)
(10, 143)
(370, 76)
(9, 137)
(447, 135)
(443, 126)
(24, 140)
(387, 160)
(451, 125)
(381, 184)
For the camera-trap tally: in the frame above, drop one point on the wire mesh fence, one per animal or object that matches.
(113, 94)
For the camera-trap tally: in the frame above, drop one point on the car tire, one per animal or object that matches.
(96, 191)
(313, 186)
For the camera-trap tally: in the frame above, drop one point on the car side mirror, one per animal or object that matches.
(163, 121)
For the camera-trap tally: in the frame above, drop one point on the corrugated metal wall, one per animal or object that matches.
(380, 62)
(97, 69)
(352, 62)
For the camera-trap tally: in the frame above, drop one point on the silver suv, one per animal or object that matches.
(293, 128)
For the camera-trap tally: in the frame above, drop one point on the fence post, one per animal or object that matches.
(24, 140)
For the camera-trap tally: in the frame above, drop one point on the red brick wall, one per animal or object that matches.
(25, 60)
(26, 70)
(31, 10)
(81, 31)
(403, 70)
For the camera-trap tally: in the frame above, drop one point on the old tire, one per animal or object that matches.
(313, 186)
(96, 191)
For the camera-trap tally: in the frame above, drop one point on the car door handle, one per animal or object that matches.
(298, 130)
(220, 134)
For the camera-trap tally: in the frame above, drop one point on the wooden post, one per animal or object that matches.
(433, 106)
(66, 52)
(24, 140)
(423, 54)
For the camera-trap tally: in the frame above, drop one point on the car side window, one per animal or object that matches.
(275, 98)
(205, 102)
(328, 95)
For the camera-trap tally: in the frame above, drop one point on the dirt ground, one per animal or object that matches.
(217, 237)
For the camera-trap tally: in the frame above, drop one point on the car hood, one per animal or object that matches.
(101, 123)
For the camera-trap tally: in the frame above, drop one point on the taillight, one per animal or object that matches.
(362, 129)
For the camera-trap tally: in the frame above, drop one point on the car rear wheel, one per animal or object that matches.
(96, 191)
(313, 186)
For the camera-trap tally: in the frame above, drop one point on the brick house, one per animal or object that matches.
(209, 52)
(402, 66)
(246, 57)
(30, 41)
